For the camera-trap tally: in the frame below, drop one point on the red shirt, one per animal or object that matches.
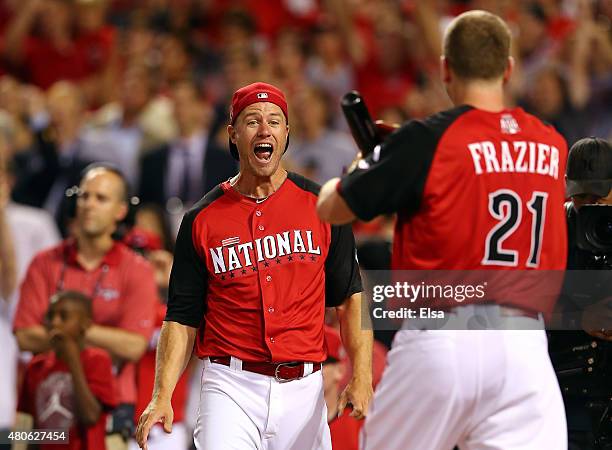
(260, 273)
(88, 55)
(122, 287)
(344, 431)
(473, 190)
(48, 395)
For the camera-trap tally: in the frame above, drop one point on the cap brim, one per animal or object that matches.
(600, 188)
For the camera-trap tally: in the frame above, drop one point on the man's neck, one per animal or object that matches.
(258, 187)
(91, 250)
(487, 96)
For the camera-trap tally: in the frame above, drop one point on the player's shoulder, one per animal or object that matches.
(440, 121)
(303, 183)
(208, 200)
(431, 127)
(537, 125)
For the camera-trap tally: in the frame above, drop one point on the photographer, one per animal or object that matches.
(580, 358)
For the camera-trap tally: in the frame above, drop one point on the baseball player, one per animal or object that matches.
(254, 268)
(478, 186)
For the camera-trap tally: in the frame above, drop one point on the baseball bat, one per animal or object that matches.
(360, 122)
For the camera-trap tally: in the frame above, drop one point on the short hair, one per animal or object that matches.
(108, 167)
(74, 296)
(477, 45)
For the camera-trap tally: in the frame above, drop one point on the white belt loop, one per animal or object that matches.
(235, 364)
(308, 368)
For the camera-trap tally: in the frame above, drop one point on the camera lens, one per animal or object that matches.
(602, 231)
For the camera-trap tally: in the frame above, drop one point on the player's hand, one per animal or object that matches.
(358, 393)
(157, 411)
(384, 129)
(597, 319)
(354, 163)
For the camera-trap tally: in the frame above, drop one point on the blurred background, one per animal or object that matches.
(127, 81)
(146, 84)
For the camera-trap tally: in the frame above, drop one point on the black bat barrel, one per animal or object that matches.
(360, 123)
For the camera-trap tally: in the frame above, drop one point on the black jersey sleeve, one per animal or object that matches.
(342, 278)
(188, 279)
(393, 177)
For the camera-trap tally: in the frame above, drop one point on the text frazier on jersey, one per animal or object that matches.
(517, 156)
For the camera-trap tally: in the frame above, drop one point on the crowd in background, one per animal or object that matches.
(145, 85)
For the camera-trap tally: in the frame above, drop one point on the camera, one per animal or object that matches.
(594, 236)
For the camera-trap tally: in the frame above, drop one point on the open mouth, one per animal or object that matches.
(263, 151)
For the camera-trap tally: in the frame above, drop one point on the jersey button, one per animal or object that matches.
(270, 310)
(269, 278)
(261, 227)
(272, 340)
(258, 213)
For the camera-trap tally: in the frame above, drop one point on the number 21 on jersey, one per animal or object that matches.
(506, 206)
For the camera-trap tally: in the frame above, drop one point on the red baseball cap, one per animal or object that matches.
(255, 93)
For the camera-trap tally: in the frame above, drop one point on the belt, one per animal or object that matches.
(282, 372)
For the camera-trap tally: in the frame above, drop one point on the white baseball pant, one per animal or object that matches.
(242, 410)
(477, 389)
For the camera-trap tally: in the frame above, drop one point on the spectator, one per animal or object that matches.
(70, 387)
(376, 40)
(41, 40)
(120, 283)
(328, 67)
(120, 136)
(14, 101)
(49, 56)
(549, 98)
(150, 217)
(289, 60)
(24, 231)
(181, 172)
(54, 163)
(318, 147)
(175, 63)
(96, 44)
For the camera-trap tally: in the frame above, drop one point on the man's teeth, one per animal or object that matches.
(263, 150)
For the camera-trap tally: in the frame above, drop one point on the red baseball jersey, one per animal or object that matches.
(48, 395)
(255, 276)
(122, 288)
(473, 190)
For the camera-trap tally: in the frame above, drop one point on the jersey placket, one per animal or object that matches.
(259, 229)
